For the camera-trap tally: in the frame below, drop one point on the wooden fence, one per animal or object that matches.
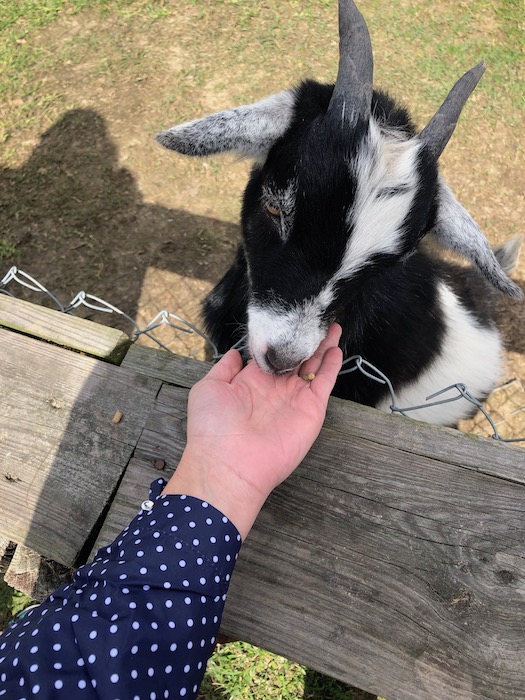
(393, 559)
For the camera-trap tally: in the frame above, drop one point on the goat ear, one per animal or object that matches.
(457, 230)
(249, 130)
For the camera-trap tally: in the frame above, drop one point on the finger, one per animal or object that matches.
(227, 367)
(327, 373)
(311, 366)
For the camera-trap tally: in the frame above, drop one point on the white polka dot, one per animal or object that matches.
(113, 629)
(134, 649)
(57, 666)
(186, 583)
(143, 570)
(192, 524)
(140, 553)
(163, 567)
(91, 659)
(182, 563)
(187, 668)
(200, 561)
(151, 672)
(114, 678)
(204, 504)
(213, 540)
(182, 692)
(113, 652)
(209, 521)
(169, 603)
(154, 647)
(82, 684)
(187, 509)
(202, 580)
(35, 689)
(159, 548)
(178, 545)
(59, 684)
(93, 634)
(33, 668)
(134, 674)
(132, 605)
(168, 669)
(173, 647)
(33, 650)
(166, 584)
(56, 626)
(189, 622)
(107, 601)
(196, 543)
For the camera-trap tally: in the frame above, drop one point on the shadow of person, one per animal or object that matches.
(79, 221)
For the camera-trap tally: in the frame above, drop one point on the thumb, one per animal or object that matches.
(226, 368)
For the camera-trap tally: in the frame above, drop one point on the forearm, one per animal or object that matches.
(224, 488)
(143, 616)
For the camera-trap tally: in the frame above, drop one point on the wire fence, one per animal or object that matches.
(16, 278)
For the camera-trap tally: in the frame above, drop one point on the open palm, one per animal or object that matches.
(260, 426)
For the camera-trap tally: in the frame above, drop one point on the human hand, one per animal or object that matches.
(248, 430)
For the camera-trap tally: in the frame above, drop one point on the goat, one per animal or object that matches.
(342, 192)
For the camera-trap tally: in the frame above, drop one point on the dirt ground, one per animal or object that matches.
(90, 202)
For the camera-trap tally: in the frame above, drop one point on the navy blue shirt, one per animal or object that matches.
(140, 621)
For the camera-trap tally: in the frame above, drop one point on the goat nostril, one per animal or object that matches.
(275, 362)
(271, 359)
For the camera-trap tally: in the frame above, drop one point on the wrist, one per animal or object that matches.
(220, 485)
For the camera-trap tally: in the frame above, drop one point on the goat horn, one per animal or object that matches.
(352, 94)
(439, 129)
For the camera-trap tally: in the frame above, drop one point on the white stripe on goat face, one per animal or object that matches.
(293, 334)
(386, 174)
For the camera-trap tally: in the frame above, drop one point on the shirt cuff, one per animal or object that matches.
(177, 542)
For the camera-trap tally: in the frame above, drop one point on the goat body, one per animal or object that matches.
(341, 196)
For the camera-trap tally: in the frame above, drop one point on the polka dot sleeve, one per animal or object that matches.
(140, 621)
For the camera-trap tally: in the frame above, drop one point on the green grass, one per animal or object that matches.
(11, 603)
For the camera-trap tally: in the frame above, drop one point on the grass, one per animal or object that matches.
(11, 603)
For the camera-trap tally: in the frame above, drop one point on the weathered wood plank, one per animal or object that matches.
(402, 575)
(35, 575)
(62, 329)
(171, 368)
(157, 454)
(61, 454)
(395, 571)
(446, 444)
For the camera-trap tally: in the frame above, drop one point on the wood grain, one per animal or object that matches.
(170, 368)
(161, 443)
(63, 329)
(61, 456)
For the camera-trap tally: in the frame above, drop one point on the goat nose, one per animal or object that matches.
(276, 362)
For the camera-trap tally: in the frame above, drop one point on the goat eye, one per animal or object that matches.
(273, 211)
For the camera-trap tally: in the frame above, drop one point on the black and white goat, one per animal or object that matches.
(342, 192)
